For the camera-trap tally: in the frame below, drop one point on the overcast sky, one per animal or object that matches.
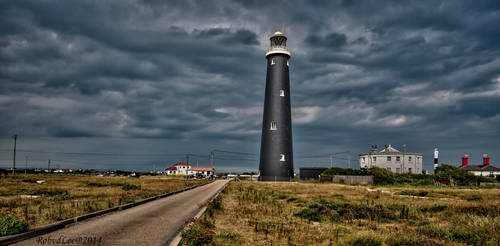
(142, 83)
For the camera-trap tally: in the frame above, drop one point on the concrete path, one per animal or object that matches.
(153, 223)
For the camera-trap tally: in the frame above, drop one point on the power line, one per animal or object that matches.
(91, 153)
(233, 152)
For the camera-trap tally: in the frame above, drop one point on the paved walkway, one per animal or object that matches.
(153, 223)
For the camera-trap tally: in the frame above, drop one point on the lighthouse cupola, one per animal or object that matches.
(278, 44)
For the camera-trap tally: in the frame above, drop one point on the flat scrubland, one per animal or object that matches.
(302, 213)
(64, 196)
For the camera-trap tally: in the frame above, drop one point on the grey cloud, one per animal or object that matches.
(190, 73)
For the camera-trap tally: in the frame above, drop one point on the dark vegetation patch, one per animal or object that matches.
(323, 209)
(412, 193)
(384, 177)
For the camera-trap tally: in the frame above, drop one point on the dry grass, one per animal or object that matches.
(64, 196)
(296, 213)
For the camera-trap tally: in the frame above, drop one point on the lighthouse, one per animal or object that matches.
(436, 156)
(276, 150)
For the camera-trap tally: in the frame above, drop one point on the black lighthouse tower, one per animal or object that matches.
(276, 150)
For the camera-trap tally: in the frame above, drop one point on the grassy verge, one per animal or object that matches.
(255, 213)
(62, 196)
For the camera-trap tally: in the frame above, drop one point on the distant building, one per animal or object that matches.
(183, 168)
(204, 171)
(311, 172)
(480, 170)
(392, 159)
(178, 168)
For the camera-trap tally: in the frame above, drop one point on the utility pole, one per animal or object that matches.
(14, 160)
(48, 166)
(331, 161)
(196, 163)
(348, 159)
(187, 158)
(26, 165)
(212, 157)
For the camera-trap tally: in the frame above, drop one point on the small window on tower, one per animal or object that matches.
(282, 157)
(288, 64)
(282, 93)
(272, 61)
(274, 125)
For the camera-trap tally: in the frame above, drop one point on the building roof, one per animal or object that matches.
(182, 163)
(202, 169)
(389, 149)
(480, 168)
(171, 168)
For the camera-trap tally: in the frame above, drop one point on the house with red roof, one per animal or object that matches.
(183, 168)
(178, 168)
(480, 170)
(204, 171)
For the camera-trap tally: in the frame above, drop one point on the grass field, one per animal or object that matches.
(300, 213)
(63, 196)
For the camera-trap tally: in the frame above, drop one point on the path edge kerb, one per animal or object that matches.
(177, 239)
(6, 240)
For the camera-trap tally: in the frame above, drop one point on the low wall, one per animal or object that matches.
(347, 179)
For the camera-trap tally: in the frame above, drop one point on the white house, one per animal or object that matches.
(178, 168)
(205, 171)
(480, 170)
(392, 159)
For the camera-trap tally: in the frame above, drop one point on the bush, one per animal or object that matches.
(324, 209)
(435, 208)
(366, 241)
(475, 198)
(197, 233)
(11, 224)
(412, 193)
(131, 187)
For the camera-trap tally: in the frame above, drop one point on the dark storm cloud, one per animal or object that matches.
(363, 72)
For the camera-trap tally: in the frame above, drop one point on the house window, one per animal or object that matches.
(409, 170)
(398, 170)
(282, 93)
(388, 158)
(374, 159)
(389, 169)
(409, 158)
(272, 61)
(363, 160)
(274, 125)
(398, 158)
(282, 157)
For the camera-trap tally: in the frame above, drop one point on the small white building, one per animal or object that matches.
(180, 168)
(392, 159)
(183, 168)
(204, 171)
(480, 170)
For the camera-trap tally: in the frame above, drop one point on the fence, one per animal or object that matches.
(347, 179)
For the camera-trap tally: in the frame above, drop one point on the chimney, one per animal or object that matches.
(465, 160)
(374, 148)
(486, 160)
(404, 148)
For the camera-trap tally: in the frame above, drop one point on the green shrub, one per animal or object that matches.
(469, 237)
(475, 198)
(329, 210)
(11, 224)
(435, 208)
(366, 241)
(431, 231)
(131, 187)
(197, 233)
